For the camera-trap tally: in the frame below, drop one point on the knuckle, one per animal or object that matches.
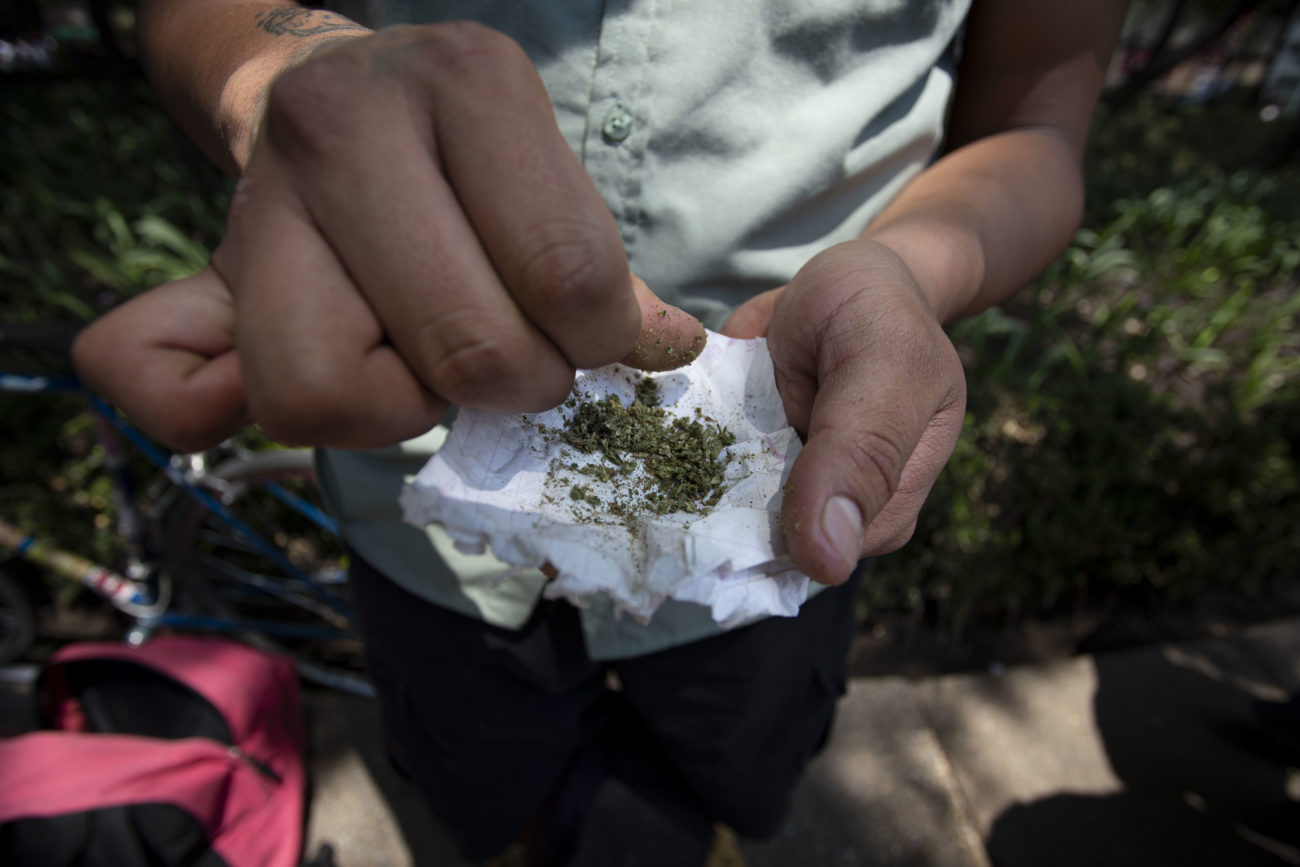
(305, 404)
(893, 541)
(299, 100)
(877, 462)
(471, 370)
(494, 375)
(567, 272)
(310, 105)
(466, 50)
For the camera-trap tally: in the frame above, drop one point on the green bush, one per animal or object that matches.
(101, 198)
(1134, 415)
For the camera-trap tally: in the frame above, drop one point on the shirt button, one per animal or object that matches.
(617, 124)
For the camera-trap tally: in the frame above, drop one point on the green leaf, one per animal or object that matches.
(158, 231)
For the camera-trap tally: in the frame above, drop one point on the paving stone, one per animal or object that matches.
(366, 814)
(17, 705)
(1004, 735)
(1275, 647)
(1136, 758)
(880, 793)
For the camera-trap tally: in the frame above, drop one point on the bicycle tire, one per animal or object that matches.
(17, 619)
(212, 566)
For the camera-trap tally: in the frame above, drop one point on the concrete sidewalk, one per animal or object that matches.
(1142, 757)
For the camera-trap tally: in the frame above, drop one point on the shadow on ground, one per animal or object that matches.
(1199, 785)
(361, 809)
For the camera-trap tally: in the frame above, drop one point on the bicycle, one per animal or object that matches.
(227, 541)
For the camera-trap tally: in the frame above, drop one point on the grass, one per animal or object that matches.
(102, 198)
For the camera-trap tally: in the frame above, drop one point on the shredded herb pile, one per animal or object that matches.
(683, 472)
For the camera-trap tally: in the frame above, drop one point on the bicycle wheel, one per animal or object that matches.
(17, 619)
(278, 579)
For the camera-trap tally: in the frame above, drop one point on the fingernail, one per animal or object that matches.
(842, 524)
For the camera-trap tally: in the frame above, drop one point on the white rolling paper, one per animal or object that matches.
(503, 481)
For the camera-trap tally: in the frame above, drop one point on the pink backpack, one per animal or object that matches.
(181, 751)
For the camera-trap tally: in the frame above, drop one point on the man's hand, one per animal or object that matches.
(871, 381)
(411, 230)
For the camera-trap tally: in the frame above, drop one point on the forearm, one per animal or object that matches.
(211, 62)
(984, 220)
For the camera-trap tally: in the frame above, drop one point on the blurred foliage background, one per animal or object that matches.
(1134, 416)
(100, 197)
(1133, 419)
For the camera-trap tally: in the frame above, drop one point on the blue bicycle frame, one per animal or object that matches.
(140, 590)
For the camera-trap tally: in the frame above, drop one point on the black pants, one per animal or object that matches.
(509, 733)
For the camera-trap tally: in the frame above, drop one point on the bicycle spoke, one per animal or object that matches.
(296, 601)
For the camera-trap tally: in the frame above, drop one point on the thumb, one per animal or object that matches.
(887, 411)
(853, 493)
(166, 358)
(670, 337)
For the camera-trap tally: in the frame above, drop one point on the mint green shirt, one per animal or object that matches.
(732, 142)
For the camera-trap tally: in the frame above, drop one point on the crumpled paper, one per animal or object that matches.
(501, 481)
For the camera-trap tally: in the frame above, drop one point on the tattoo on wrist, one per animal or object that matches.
(301, 23)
